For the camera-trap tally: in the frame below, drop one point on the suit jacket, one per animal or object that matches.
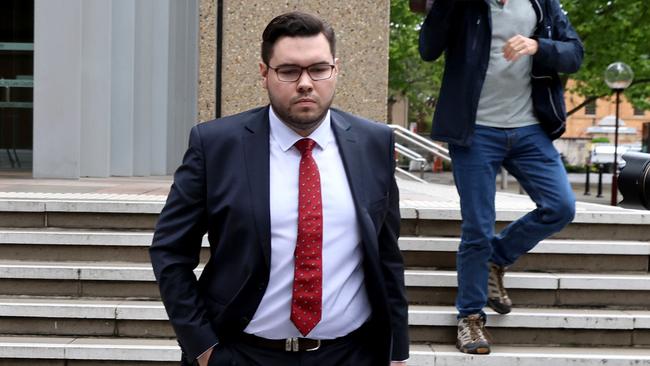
(222, 188)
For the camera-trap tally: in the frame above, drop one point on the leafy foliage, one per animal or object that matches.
(408, 75)
(612, 30)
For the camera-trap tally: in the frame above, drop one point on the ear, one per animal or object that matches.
(337, 65)
(264, 71)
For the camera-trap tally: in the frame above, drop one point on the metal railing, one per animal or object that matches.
(427, 145)
(424, 143)
(412, 156)
(409, 175)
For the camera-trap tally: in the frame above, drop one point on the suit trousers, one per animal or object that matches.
(356, 351)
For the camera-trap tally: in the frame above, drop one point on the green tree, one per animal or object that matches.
(612, 30)
(409, 76)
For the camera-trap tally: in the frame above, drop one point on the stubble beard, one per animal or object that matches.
(296, 121)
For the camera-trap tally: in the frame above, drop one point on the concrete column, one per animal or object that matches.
(122, 87)
(96, 88)
(175, 42)
(115, 86)
(57, 88)
(143, 87)
(183, 86)
(160, 86)
(192, 82)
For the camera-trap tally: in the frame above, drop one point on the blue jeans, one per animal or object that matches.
(528, 154)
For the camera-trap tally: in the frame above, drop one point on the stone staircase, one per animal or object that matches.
(76, 288)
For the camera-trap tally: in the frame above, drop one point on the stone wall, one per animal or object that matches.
(207, 59)
(362, 45)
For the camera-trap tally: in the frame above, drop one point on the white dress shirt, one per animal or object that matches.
(345, 301)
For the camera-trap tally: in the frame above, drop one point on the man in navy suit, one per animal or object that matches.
(301, 209)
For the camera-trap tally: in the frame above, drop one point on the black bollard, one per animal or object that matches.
(600, 181)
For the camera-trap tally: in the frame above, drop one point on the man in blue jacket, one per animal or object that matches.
(487, 114)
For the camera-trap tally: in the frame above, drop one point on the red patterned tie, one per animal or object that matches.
(307, 277)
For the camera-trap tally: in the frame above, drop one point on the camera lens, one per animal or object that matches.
(634, 181)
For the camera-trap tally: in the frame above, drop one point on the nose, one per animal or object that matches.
(305, 83)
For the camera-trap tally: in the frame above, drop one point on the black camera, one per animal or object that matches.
(634, 181)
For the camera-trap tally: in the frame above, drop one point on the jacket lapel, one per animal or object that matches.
(351, 155)
(256, 159)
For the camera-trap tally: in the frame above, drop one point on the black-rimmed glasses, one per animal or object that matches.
(291, 73)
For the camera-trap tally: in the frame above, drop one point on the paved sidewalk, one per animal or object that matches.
(435, 195)
(20, 186)
(577, 182)
(412, 194)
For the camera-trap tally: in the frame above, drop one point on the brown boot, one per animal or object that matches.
(498, 298)
(472, 336)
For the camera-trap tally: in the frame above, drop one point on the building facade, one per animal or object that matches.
(595, 124)
(602, 110)
(98, 88)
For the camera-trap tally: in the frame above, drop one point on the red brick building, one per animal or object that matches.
(579, 122)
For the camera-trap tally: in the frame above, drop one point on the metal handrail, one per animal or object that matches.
(409, 153)
(412, 155)
(414, 177)
(422, 142)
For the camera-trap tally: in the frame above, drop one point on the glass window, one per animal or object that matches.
(639, 111)
(590, 108)
(16, 83)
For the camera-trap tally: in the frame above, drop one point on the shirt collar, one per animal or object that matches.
(286, 137)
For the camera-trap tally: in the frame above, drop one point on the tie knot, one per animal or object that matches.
(305, 145)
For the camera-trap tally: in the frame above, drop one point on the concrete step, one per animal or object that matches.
(592, 222)
(84, 318)
(545, 327)
(139, 319)
(420, 218)
(63, 245)
(447, 355)
(38, 351)
(80, 351)
(548, 255)
(425, 286)
(87, 211)
(49, 244)
(436, 287)
(78, 279)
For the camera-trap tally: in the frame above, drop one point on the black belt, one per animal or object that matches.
(296, 344)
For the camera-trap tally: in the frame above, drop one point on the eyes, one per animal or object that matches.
(291, 73)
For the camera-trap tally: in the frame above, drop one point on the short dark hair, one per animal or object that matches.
(295, 24)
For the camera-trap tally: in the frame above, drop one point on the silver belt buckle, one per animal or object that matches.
(291, 344)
